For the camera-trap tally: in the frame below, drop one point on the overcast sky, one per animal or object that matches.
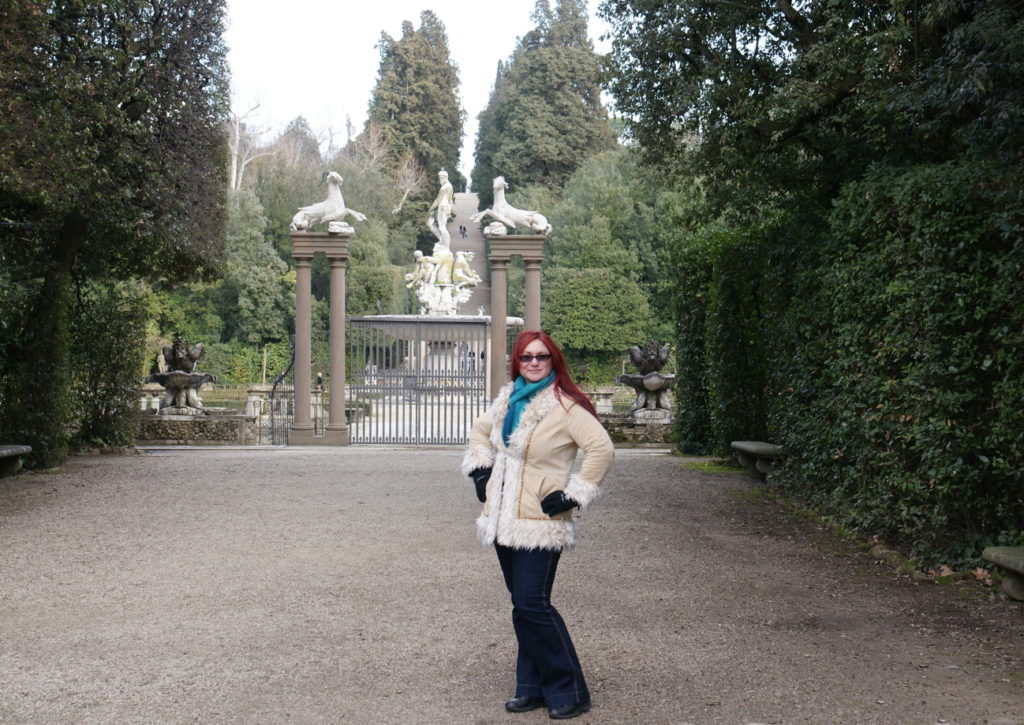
(317, 58)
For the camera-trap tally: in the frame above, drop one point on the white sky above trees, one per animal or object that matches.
(317, 58)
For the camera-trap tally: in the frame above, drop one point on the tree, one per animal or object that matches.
(113, 164)
(594, 312)
(257, 290)
(545, 115)
(243, 147)
(415, 103)
(796, 98)
(844, 284)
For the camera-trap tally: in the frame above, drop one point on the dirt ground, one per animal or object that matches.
(346, 586)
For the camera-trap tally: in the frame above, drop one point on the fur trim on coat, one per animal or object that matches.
(532, 466)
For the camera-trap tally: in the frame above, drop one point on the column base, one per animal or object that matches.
(302, 437)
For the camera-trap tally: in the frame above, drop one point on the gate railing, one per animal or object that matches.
(417, 381)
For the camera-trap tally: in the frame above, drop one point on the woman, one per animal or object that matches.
(520, 456)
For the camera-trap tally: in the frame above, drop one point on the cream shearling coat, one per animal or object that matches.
(537, 460)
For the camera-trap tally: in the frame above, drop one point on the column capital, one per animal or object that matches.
(528, 246)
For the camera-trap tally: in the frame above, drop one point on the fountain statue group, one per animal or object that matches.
(651, 385)
(444, 279)
(177, 373)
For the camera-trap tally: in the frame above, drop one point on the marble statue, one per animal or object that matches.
(504, 213)
(443, 280)
(421, 274)
(462, 274)
(442, 261)
(331, 210)
(441, 210)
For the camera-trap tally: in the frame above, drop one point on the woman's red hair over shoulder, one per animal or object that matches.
(563, 383)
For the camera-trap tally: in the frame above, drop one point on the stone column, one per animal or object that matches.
(532, 319)
(335, 247)
(337, 429)
(499, 322)
(303, 420)
(502, 247)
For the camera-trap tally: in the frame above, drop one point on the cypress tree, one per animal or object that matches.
(545, 115)
(415, 102)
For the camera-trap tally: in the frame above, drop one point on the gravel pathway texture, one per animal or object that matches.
(314, 585)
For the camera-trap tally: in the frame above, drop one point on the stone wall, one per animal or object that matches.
(172, 430)
(626, 429)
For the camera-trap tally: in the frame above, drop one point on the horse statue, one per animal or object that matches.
(504, 213)
(331, 210)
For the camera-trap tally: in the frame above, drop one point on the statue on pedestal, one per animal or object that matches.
(442, 210)
(180, 378)
(506, 215)
(444, 279)
(331, 210)
(651, 385)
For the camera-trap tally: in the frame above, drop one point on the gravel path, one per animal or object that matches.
(346, 586)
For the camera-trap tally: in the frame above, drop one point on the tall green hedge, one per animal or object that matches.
(912, 429)
(884, 352)
(733, 287)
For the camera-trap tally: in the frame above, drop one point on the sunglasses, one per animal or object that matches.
(543, 357)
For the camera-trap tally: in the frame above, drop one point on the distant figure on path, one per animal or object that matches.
(520, 457)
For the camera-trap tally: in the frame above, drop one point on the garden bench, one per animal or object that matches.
(10, 458)
(756, 456)
(1010, 558)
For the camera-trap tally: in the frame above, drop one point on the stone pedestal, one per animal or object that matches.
(655, 415)
(631, 428)
(218, 427)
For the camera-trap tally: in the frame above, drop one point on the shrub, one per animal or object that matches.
(108, 346)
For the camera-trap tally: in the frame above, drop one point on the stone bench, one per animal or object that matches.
(1010, 558)
(10, 458)
(756, 456)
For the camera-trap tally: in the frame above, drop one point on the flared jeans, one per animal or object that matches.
(547, 665)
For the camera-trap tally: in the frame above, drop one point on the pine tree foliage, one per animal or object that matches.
(544, 117)
(415, 103)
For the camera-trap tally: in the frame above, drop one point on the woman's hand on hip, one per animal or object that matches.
(480, 477)
(557, 502)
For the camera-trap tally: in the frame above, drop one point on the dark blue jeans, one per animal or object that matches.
(547, 665)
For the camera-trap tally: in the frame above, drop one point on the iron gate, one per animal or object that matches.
(418, 380)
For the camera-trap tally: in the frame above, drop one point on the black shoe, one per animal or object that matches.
(524, 703)
(564, 712)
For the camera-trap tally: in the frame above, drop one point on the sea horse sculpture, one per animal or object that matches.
(331, 210)
(504, 213)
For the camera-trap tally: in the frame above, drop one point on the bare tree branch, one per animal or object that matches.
(409, 177)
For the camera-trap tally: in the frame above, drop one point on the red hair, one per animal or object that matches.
(563, 383)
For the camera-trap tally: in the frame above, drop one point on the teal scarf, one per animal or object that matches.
(522, 394)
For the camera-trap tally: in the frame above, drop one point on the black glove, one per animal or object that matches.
(480, 477)
(556, 502)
